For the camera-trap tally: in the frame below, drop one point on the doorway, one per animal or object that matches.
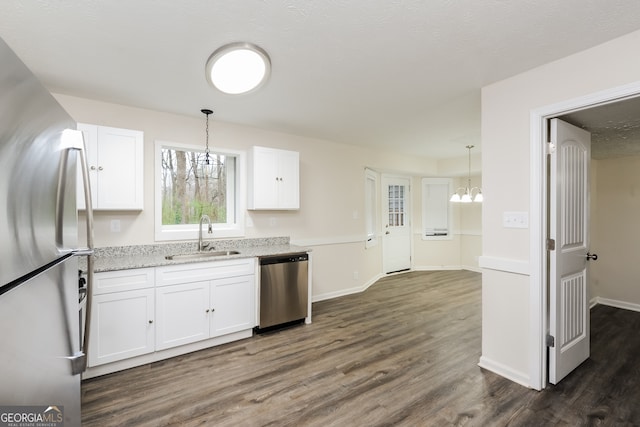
(539, 223)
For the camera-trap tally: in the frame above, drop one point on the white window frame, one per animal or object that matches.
(427, 209)
(190, 231)
(371, 207)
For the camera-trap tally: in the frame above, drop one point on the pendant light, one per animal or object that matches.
(206, 165)
(466, 194)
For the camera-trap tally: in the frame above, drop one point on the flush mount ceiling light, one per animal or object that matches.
(466, 195)
(238, 68)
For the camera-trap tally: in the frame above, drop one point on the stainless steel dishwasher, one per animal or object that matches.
(284, 291)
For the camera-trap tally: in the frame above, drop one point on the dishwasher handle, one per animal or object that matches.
(280, 259)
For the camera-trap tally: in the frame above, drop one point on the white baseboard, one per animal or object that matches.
(364, 287)
(349, 291)
(446, 267)
(436, 267)
(504, 371)
(615, 303)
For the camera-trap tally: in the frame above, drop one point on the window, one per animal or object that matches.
(370, 209)
(186, 189)
(397, 211)
(436, 210)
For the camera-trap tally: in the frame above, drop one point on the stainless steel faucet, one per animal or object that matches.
(201, 244)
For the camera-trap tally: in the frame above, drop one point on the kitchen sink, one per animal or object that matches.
(199, 255)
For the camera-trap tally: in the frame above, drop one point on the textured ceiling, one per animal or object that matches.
(614, 127)
(402, 74)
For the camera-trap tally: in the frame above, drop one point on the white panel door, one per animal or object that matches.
(396, 240)
(569, 228)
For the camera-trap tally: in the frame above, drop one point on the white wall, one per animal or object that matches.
(615, 231)
(506, 159)
(331, 182)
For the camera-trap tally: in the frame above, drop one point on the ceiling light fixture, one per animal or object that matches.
(466, 195)
(205, 166)
(238, 68)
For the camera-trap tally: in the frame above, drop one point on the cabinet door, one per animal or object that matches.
(121, 326)
(90, 135)
(275, 177)
(264, 192)
(182, 313)
(288, 180)
(233, 305)
(119, 184)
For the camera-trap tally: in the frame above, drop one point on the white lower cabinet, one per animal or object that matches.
(206, 303)
(182, 314)
(142, 312)
(232, 303)
(121, 326)
(196, 311)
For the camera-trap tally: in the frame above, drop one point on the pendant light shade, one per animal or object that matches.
(467, 194)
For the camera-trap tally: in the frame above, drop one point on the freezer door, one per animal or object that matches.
(32, 170)
(39, 321)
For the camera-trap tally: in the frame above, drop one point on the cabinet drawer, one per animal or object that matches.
(123, 280)
(195, 272)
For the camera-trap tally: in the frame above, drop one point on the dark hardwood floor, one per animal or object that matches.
(403, 353)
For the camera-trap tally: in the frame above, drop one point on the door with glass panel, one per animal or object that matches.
(396, 222)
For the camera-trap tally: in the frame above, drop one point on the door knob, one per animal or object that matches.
(593, 257)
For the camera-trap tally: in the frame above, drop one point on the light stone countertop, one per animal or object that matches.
(141, 256)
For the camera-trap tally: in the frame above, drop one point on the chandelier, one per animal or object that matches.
(467, 194)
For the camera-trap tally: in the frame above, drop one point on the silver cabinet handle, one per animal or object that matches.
(93, 168)
(100, 168)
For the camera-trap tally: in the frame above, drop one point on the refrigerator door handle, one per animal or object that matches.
(75, 141)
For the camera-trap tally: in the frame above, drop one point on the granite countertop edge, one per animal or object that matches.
(145, 256)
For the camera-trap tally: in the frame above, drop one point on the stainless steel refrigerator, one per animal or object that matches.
(40, 344)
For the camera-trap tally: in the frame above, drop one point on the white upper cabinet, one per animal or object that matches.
(115, 161)
(274, 179)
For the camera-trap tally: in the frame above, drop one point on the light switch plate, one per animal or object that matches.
(515, 219)
(115, 226)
